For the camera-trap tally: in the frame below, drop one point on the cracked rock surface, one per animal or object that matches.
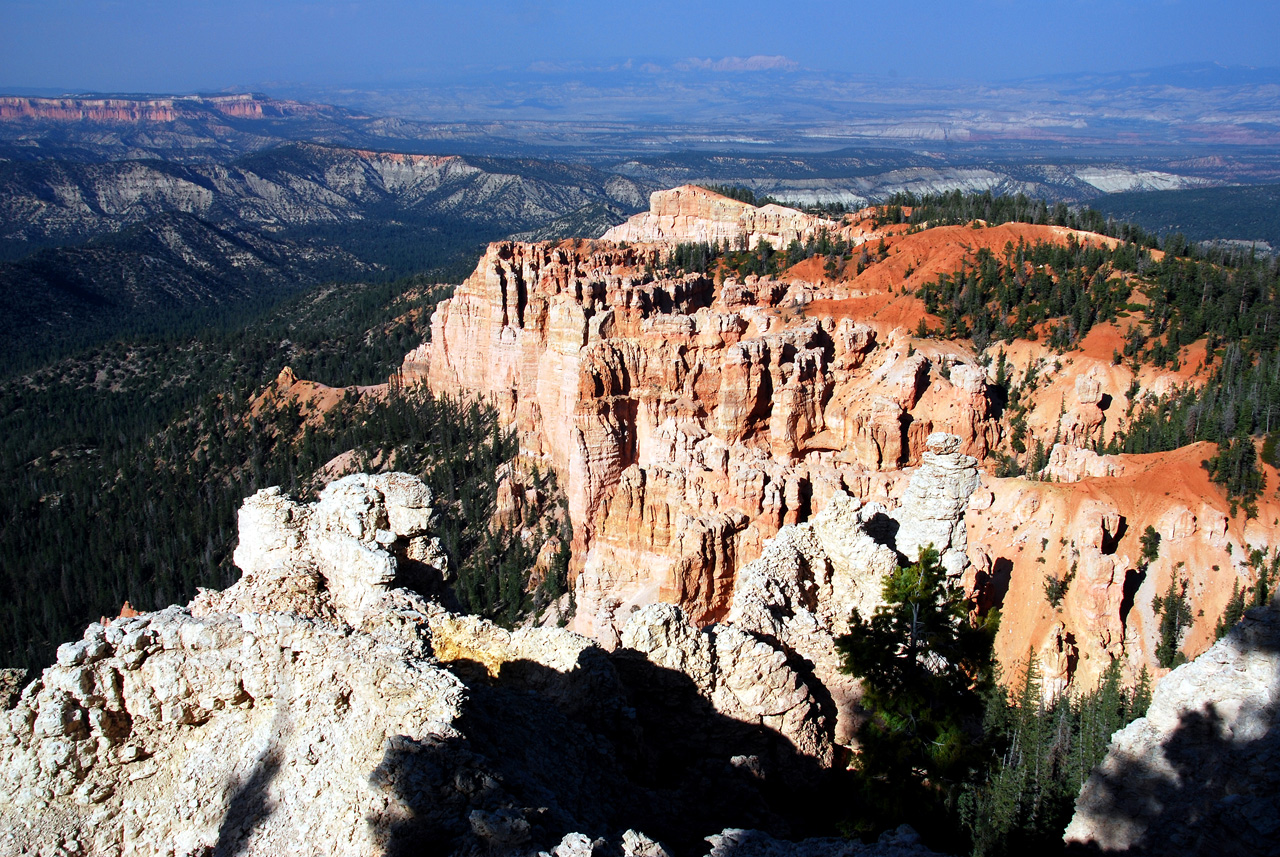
(319, 707)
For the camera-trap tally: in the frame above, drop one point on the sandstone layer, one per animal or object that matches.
(693, 214)
(690, 417)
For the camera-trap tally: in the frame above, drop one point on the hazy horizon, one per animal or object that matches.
(149, 46)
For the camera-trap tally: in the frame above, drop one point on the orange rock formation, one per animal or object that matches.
(690, 417)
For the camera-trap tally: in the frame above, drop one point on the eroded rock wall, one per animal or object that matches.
(688, 419)
(694, 214)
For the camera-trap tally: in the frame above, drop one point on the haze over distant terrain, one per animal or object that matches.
(142, 45)
(714, 74)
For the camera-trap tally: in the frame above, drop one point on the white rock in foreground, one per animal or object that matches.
(1200, 774)
(297, 712)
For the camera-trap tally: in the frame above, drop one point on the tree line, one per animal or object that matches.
(122, 468)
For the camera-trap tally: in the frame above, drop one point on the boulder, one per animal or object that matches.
(1197, 774)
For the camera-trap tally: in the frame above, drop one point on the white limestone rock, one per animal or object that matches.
(932, 510)
(298, 712)
(174, 736)
(1199, 773)
(337, 559)
(743, 677)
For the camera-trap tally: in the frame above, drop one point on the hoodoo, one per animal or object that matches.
(693, 412)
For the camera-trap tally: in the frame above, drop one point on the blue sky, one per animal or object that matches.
(184, 45)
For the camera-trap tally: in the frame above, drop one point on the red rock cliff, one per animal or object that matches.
(690, 417)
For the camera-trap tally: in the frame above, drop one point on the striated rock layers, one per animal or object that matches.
(1198, 774)
(693, 214)
(319, 707)
(688, 419)
(240, 106)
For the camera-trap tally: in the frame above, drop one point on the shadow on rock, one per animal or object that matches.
(543, 753)
(1211, 786)
(249, 806)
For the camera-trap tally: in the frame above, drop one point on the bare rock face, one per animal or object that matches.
(11, 684)
(298, 712)
(1081, 423)
(773, 656)
(695, 214)
(932, 511)
(1198, 774)
(687, 419)
(170, 733)
(1072, 464)
(569, 670)
(318, 707)
(1057, 657)
(744, 677)
(337, 558)
(804, 587)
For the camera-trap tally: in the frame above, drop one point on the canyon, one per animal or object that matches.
(88, 249)
(745, 460)
(692, 416)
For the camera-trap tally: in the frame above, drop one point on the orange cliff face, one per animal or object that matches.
(88, 109)
(690, 417)
(1090, 530)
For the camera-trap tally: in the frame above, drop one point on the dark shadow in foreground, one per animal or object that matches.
(249, 804)
(546, 753)
(1220, 792)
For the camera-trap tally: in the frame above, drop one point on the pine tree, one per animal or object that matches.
(924, 664)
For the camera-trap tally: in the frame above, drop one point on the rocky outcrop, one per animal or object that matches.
(1197, 775)
(320, 707)
(264, 715)
(932, 510)
(223, 716)
(1088, 535)
(694, 214)
(1072, 464)
(687, 419)
(11, 683)
(337, 559)
(690, 418)
(744, 677)
(243, 106)
(773, 659)
(1080, 423)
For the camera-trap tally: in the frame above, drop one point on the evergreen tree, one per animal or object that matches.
(924, 663)
(1047, 749)
(1174, 611)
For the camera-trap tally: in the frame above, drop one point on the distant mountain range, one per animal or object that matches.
(119, 209)
(606, 113)
(163, 238)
